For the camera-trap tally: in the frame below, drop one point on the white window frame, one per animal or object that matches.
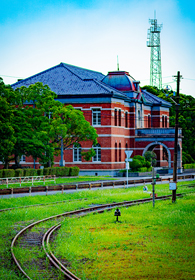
(77, 153)
(96, 116)
(23, 158)
(97, 157)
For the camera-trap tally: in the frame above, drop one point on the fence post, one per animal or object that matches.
(102, 184)
(20, 181)
(76, 186)
(90, 186)
(7, 182)
(12, 192)
(54, 178)
(44, 180)
(46, 190)
(113, 184)
(62, 189)
(32, 180)
(29, 191)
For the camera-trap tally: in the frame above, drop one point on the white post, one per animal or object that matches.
(127, 160)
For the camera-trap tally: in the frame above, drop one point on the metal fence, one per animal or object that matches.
(28, 179)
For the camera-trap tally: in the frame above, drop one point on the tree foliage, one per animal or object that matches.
(32, 123)
(186, 118)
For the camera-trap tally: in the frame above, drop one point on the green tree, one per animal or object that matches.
(38, 123)
(73, 129)
(150, 156)
(186, 117)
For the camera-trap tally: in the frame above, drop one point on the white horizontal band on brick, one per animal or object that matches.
(118, 162)
(113, 126)
(114, 135)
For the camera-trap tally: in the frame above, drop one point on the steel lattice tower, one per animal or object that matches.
(153, 41)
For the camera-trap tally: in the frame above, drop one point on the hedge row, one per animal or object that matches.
(58, 171)
(189, 166)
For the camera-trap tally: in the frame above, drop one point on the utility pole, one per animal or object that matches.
(178, 77)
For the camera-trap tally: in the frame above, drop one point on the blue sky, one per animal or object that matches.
(39, 34)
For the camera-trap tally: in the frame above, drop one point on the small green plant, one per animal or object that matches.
(189, 166)
(39, 172)
(19, 172)
(8, 173)
(74, 171)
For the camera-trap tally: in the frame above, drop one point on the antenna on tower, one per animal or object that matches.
(117, 64)
(153, 41)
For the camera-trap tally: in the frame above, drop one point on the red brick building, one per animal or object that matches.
(124, 116)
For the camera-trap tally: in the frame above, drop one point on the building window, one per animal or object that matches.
(163, 121)
(97, 150)
(116, 152)
(126, 119)
(77, 152)
(149, 121)
(96, 117)
(23, 158)
(126, 146)
(115, 117)
(119, 117)
(119, 151)
(139, 118)
(49, 115)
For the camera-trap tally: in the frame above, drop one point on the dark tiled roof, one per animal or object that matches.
(65, 79)
(150, 98)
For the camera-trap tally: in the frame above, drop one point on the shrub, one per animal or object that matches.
(189, 166)
(1, 173)
(40, 172)
(147, 164)
(8, 173)
(30, 172)
(74, 171)
(143, 169)
(19, 172)
(46, 171)
(59, 171)
(141, 159)
(135, 164)
(65, 171)
(53, 171)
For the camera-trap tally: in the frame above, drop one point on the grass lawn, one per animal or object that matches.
(158, 241)
(148, 243)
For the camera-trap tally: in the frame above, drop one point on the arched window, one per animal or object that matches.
(119, 151)
(139, 118)
(115, 117)
(77, 152)
(119, 117)
(126, 146)
(97, 149)
(126, 119)
(116, 152)
(163, 121)
(149, 121)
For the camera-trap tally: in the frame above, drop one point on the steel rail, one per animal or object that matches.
(52, 258)
(80, 212)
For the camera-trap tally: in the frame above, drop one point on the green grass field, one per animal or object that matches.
(148, 243)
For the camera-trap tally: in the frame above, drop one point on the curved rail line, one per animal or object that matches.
(81, 212)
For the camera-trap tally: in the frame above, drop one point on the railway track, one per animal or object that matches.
(28, 238)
